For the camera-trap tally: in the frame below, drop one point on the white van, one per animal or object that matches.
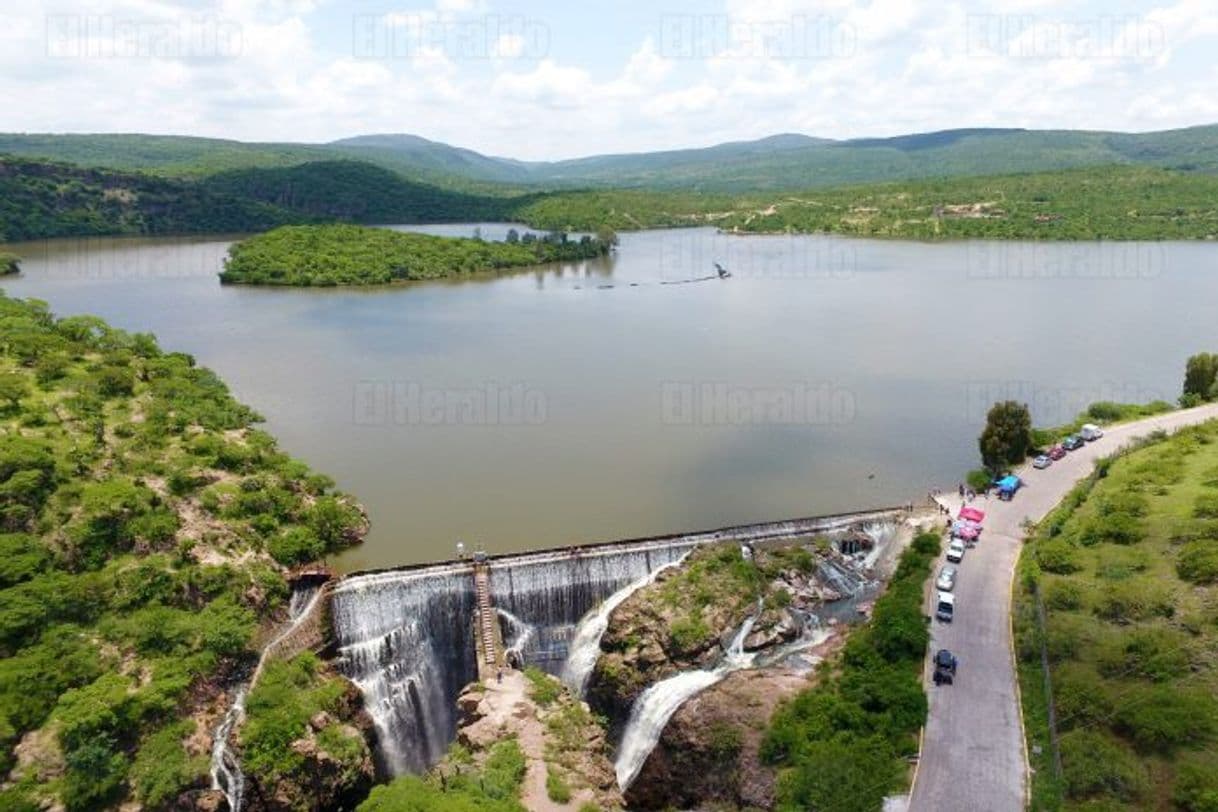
(1090, 432)
(945, 606)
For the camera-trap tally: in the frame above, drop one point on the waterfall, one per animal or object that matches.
(553, 593)
(406, 640)
(518, 633)
(226, 774)
(656, 705)
(585, 648)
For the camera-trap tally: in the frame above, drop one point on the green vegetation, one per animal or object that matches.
(279, 711)
(1200, 379)
(787, 161)
(557, 788)
(355, 255)
(1103, 413)
(623, 210)
(495, 787)
(543, 689)
(1125, 568)
(355, 192)
(41, 200)
(9, 263)
(1106, 203)
(842, 744)
(138, 507)
(1007, 437)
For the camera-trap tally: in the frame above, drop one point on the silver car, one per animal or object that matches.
(947, 579)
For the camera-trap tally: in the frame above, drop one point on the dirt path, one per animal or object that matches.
(509, 708)
(973, 746)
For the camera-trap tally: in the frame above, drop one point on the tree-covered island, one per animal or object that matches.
(329, 255)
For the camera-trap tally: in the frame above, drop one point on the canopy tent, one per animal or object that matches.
(972, 514)
(1009, 483)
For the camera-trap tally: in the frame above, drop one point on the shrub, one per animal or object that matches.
(1114, 528)
(162, 770)
(1095, 765)
(1079, 700)
(1196, 787)
(1206, 506)
(543, 689)
(1119, 563)
(557, 789)
(1065, 595)
(1198, 561)
(1152, 653)
(1164, 717)
(1057, 556)
(296, 545)
(1133, 599)
(504, 770)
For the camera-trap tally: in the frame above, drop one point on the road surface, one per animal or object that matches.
(973, 747)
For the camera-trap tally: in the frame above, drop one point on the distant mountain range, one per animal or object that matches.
(787, 161)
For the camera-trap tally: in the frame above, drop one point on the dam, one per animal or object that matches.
(412, 637)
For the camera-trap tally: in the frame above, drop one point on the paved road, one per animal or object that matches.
(973, 748)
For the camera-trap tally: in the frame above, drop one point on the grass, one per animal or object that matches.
(557, 788)
(1131, 631)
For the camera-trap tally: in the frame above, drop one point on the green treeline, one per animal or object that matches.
(40, 199)
(356, 255)
(1108, 203)
(355, 192)
(144, 528)
(842, 744)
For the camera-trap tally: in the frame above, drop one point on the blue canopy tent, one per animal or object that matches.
(1008, 485)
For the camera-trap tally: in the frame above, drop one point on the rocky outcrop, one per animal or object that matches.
(708, 755)
(556, 733)
(686, 619)
(336, 762)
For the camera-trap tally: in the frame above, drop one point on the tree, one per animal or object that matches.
(513, 236)
(1007, 437)
(12, 389)
(1200, 372)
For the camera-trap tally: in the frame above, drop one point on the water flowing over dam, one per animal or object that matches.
(406, 636)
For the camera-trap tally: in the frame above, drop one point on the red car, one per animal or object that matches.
(1056, 452)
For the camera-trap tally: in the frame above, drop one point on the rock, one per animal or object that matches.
(707, 755)
(204, 800)
(320, 720)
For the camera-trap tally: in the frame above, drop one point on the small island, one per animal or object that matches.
(330, 255)
(9, 263)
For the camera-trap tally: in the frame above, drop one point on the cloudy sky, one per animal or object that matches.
(539, 80)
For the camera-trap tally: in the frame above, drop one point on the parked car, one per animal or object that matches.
(945, 667)
(1090, 432)
(955, 551)
(1057, 452)
(946, 581)
(1072, 443)
(968, 532)
(1042, 461)
(945, 606)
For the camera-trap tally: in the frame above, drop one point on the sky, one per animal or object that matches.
(551, 80)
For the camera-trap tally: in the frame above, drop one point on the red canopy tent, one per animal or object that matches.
(972, 514)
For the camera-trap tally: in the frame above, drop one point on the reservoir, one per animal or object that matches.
(634, 395)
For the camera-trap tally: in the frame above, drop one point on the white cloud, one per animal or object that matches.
(872, 67)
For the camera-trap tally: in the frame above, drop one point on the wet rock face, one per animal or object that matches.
(708, 753)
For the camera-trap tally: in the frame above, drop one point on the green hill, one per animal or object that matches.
(354, 191)
(40, 200)
(781, 162)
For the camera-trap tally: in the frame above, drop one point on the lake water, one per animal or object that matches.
(610, 399)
